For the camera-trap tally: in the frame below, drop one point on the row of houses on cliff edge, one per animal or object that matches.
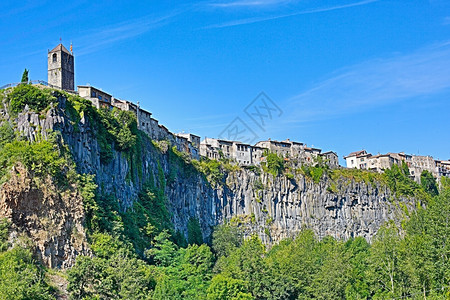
(253, 155)
(416, 163)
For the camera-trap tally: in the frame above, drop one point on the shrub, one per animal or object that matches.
(20, 276)
(314, 172)
(274, 164)
(194, 232)
(43, 158)
(24, 94)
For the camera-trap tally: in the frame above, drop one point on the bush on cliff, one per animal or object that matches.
(274, 164)
(25, 94)
(20, 276)
(42, 158)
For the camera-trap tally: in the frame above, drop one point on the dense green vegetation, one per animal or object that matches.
(214, 170)
(274, 164)
(20, 276)
(26, 94)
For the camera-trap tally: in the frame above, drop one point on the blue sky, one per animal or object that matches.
(347, 75)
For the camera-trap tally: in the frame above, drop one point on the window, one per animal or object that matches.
(54, 57)
(99, 97)
(93, 94)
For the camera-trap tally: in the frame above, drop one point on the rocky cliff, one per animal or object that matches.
(274, 207)
(51, 220)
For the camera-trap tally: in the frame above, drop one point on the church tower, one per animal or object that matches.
(61, 72)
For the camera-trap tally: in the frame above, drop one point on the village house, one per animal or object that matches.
(281, 148)
(381, 162)
(242, 153)
(310, 154)
(357, 159)
(331, 159)
(443, 168)
(216, 148)
(192, 142)
(421, 163)
(239, 152)
(99, 98)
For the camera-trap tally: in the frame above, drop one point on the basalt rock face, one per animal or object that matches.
(53, 221)
(278, 207)
(272, 207)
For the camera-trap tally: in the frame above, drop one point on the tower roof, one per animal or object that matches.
(60, 47)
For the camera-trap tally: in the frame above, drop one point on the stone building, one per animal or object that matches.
(421, 163)
(216, 148)
(99, 98)
(281, 148)
(257, 155)
(331, 159)
(309, 155)
(60, 68)
(381, 162)
(239, 152)
(358, 160)
(209, 148)
(443, 168)
(193, 144)
(242, 153)
(295, 150)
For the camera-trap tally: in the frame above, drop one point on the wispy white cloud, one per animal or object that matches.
(375, 83)
(302, 12)
(117, 32)
(250, 3)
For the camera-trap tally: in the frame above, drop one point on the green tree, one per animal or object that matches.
(25, 76)
(427, 245)
(332, 277)
(385, 261)
(357, 253)
(21, 277)
(6, 134)
(4, 229)
(195, 235)
(226, 238)
(164, 251)
(296, 263)
(247, 263)
(428, 182)
(227, 288)
(274, 164)
(118, 277)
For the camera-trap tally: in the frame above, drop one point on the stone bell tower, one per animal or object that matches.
(61, 71)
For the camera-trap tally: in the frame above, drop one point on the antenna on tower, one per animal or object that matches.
(71, 47)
